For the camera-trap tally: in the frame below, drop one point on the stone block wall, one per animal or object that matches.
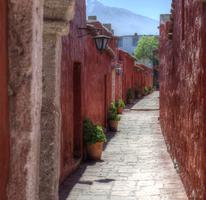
(182, 92)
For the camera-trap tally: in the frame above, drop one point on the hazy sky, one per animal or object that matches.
(149, 8)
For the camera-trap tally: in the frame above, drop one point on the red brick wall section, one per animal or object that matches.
(182, 93)
(72, 57)
(4, 133)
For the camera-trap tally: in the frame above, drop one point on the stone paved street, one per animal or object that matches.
(149, 102)
(136, 164)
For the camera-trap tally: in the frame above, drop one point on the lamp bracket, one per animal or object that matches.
(90, 29)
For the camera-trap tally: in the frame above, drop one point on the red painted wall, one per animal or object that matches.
(118, 85)
(143, 77)
(86, 84)
(138, 78)
(4, 132)
(134, 76)
(128, 69)
(147, 74)
(72, 71)
(85, 87)
(182, 92)
(98, 80)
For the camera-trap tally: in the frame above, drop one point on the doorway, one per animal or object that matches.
(77, 115)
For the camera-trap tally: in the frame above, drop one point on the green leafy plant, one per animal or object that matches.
(112, 114)
(93, 133)
(130, 94)
(146, 90)
(146, 47)
(120, 104)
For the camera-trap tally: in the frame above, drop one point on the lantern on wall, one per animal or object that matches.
(101, 42)
(119, 71)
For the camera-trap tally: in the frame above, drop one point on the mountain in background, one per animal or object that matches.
(124, 22)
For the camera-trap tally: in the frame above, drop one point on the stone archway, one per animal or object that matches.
(57, 15)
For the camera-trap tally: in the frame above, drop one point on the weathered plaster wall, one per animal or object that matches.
(25, 66)
(147, 77)
(128, 69)
(138, 78)
(143, 77)
(118, 86)
(94, 87)
(98, 82)
(72, 56)
(182, 92)
(133, 77)
(4, 125)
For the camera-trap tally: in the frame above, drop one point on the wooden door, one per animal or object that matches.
(4, 133)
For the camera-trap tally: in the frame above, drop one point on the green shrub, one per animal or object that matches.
(120, 104)
(112, 114)
(93, 133)
(146, 90)
(130, 94)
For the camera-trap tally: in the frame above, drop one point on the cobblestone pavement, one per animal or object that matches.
(136, 165)
(149, 102)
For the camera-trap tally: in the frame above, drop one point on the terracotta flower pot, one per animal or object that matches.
(94, 151)
(120, 110)
(113, 125)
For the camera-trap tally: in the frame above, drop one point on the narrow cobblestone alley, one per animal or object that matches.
(136, 163)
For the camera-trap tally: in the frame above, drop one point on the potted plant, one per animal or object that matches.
(130, 96)
(146, 91)
(113, 117)
(120, 105)
(94, 138)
